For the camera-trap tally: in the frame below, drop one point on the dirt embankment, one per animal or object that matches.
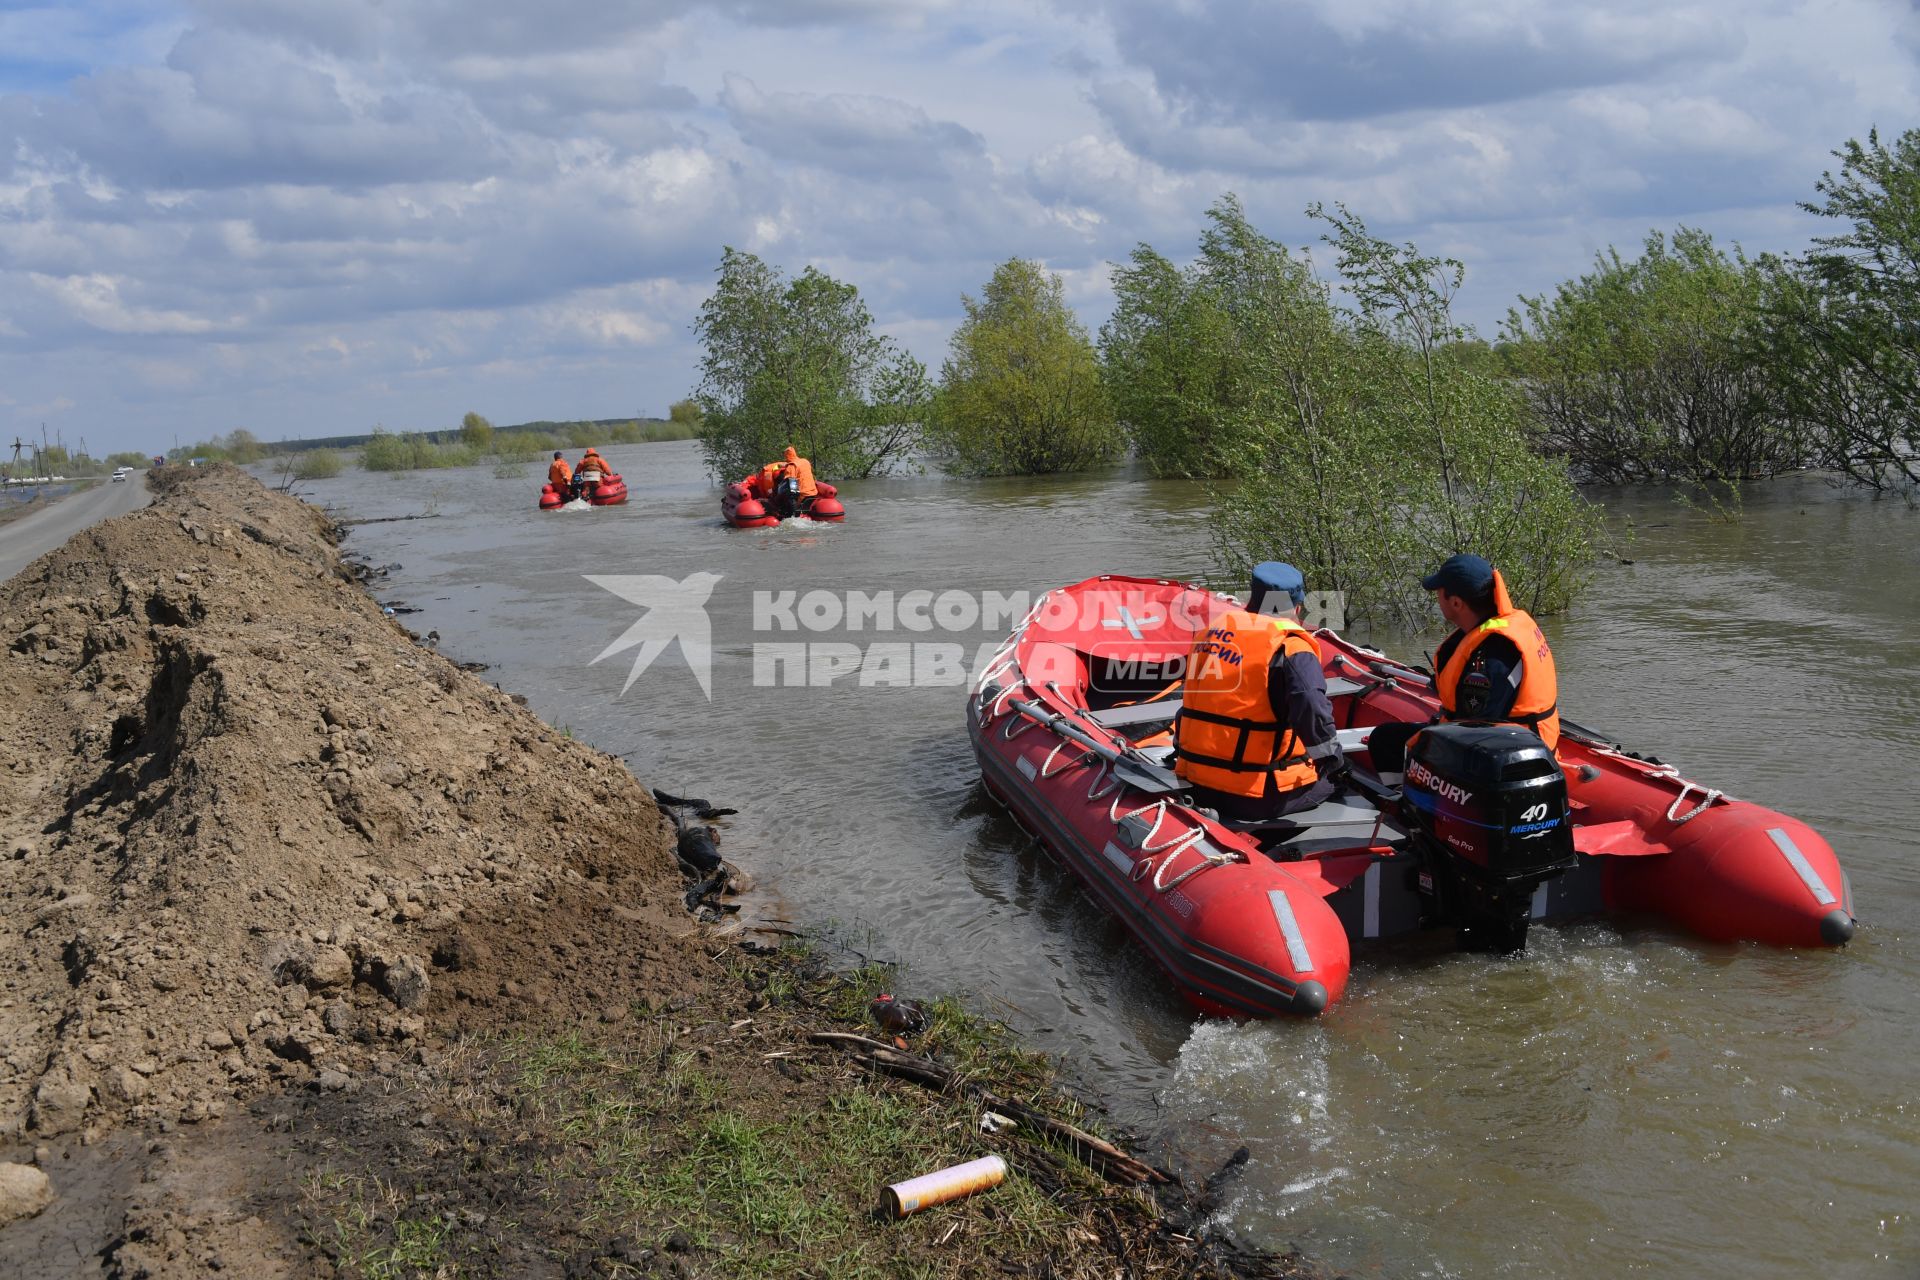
(252, 835)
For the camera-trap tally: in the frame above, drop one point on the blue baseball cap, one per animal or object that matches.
(1462, 575)
(1275, 577)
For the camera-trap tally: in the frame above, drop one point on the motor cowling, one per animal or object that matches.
(1486, 805)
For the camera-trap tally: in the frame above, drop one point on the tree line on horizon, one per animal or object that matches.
(1346, 416)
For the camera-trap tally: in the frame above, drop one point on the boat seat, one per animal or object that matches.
(1165, 709)
(1337, 812)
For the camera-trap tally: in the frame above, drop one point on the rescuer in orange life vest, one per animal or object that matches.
(1495, 666)
(592, 461)
(1255, 735)
(559, 474)
(794, 488)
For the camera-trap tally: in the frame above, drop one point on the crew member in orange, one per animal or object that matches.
(559, 474)
(802, 470)
(1495, 666)
(1255, 737)
(591, 461)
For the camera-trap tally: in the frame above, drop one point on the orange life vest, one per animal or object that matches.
(558, 472)
(1225, 736)
(802, 470)
(1536, 702)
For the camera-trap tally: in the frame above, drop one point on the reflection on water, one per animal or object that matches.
(1616, 1100)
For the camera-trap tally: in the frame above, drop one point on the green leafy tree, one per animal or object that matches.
(1640, 370)
(684, 413)
(1373, 450)
(796, 362)
(476, 433)
(1169, 364)
(242, 446)
(316, 464)
(1843, 321)
(1020, 391)
(1182, 353)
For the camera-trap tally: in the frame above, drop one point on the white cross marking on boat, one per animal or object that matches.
(1131, 623)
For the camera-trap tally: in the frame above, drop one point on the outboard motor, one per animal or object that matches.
(1486, 805)
(786, 497)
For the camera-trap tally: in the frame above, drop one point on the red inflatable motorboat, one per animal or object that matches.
(745, 511)
(1489, 832)
(608, 491)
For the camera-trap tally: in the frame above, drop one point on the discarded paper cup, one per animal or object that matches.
(929, 1189)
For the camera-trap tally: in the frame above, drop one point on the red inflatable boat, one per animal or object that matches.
(1488, 833)
(744, 511)
(609, 491)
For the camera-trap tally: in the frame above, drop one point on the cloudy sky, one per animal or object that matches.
(307, 217)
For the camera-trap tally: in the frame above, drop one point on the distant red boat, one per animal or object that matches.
(608, 491)
(1490, 832)
(745, 511)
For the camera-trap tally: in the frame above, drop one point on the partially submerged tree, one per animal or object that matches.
(1374, 451)
(796, 362)
(1843, 333)
(1640, 370)
(1020, 392)
(476, 433)
(1183, 351)
(1167, 359)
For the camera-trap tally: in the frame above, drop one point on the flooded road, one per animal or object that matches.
(1617, 1100)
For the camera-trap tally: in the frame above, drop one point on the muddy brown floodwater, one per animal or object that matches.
(1617, 1100)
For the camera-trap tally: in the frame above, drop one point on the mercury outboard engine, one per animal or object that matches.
(1486, 805)
(786, 497)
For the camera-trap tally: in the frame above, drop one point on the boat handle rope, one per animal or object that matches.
(989, 687)
(1147, 845)
(1104, 774)
(1000, 703)
(1669, 773)
(1046, 766)
(1708, 796)
(1004, 656)
(1220, 859)
(1014, 727)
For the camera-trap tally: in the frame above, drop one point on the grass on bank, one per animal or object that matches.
(702, 1141)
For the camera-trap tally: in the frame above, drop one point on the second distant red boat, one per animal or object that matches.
(745, 511)
(610, 491)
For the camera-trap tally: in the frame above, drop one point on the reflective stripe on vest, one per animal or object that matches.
(1536, 703)
(1226, 737)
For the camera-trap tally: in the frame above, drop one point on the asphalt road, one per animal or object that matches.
(25, 540)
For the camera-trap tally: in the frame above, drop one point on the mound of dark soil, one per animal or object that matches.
(253, 835)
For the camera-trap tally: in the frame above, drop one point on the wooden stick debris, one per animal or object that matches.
(1102, 1155)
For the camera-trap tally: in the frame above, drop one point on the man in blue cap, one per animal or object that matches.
(1495, 666)
(1255, 738)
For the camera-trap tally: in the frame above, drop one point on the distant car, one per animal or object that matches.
(118, 476)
